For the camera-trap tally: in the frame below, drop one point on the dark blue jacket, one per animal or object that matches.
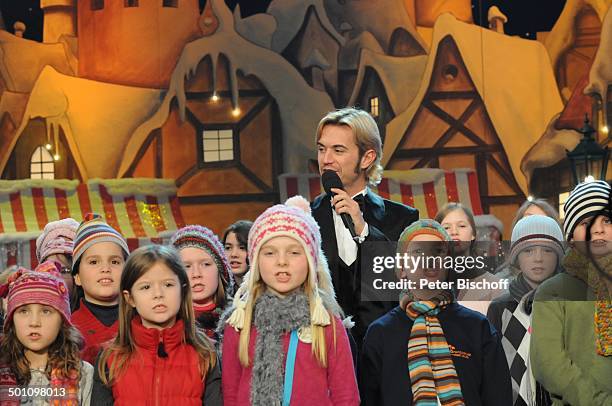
(475, 348)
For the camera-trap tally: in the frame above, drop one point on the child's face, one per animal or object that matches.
(283, 264)
(236, 253)
(601, 236)
(156, 295)
(202, 272)
(37, 326)
(458, 226)
(426, 246)
(537, 263)
(66, 262)
(100, 273)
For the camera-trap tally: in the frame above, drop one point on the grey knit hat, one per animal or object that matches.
(536, 230)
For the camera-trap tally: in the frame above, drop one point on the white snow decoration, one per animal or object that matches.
(300, 106)
(495, 12)
(351, 51)
(13, 186)
(345, 27)
(257, 28)
(600, 75)
(489, 220)
(137, 186)
(562, 35)
(97, 118)
(24, 236)
(551, 148)
(401, 77)
(513, 77)
(380, 17)
(316, 59)
(290, 14)
(13, 104)
(22, 61)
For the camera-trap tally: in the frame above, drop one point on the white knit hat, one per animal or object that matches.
(292, 219)
(536, 230)
(586, 200)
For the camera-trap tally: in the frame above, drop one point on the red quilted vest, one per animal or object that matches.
(154, 379)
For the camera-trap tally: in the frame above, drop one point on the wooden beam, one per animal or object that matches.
(271, 197)
(507, 199)
(420, 152)
(483, 178)
(507, 176)
(141, 151)
(253, 178)
(458, 123)
(468, 94)
(180, 181)
(448, 134)
(253, 113)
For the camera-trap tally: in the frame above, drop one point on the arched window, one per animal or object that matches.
(42, 165)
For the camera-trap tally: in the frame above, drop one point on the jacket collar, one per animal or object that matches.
(149, 338)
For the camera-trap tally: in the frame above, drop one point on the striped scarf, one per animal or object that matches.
(431, 367)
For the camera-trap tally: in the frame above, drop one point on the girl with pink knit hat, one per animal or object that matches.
(40, 359)
(56, 243)
(284, 342)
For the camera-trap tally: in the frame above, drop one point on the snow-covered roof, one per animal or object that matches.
(600, 75)
(351, 51)
(513, 77)
(300, 106)
(380, 17)
(22, 60)
(14, 104)
(96, 118)
(401, 77)
(257, 28)
(290, 14)
(316, 59)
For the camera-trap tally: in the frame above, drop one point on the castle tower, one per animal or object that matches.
(60, 19)
(134, 42)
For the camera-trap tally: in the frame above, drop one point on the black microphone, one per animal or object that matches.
(330, 179)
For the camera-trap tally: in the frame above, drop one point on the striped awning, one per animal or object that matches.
(424, 189)
(137, 208)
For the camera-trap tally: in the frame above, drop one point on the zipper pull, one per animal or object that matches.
(161, 349)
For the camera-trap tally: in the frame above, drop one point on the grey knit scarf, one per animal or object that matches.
(273, 317)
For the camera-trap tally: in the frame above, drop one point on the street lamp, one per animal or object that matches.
(589, 160)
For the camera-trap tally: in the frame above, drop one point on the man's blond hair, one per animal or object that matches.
(366, 134)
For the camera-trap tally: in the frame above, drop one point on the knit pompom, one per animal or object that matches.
(299, 202)
(236, 320)
(320, 316)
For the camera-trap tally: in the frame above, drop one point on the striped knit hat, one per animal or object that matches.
(292, 219)
(536, 230)
(423, 226)
(586, 200)
(91, 231)
(44, 286)
(196, 236)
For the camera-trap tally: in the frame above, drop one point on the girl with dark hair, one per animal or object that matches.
(158, 354)
(235, 241)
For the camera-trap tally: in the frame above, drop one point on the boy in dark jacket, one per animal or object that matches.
(430, 349)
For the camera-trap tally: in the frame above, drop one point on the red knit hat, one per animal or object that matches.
(44, 285)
